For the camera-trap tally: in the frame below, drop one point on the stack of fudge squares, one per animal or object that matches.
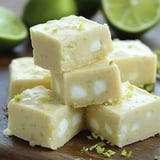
(81, 80)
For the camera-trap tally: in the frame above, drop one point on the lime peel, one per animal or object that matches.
(133, 16)
(12, 29)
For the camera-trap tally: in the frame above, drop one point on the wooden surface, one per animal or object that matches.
(17, 149)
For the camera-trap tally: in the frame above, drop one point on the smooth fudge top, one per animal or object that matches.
(24, 68)
(39, 98)
(66, 27)
(132, 98)
(130, 48)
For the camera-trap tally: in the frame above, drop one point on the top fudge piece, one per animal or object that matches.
(69, 43)
(136, 62)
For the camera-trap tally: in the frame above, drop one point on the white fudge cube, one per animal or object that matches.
(92, 84)
(37, 117)
(69, 43)
(25, 74)
(136, 62)
(134, 117)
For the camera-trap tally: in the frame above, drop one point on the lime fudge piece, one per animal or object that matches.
(35, 116)
(134, 117)
(25, 74)
(92, 84)
(136, 62)
(69, 43)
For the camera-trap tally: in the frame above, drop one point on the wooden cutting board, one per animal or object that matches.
(12, 148)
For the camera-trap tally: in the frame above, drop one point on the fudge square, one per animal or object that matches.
(136, 62)
(92, 84)
(69, 43)
(25, 74)
(135, 117)
(35, 116)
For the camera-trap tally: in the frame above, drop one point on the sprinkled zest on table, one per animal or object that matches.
(100, 149)
(126, 154)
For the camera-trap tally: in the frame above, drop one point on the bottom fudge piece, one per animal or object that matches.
(92, 84)
(133, 118)
(35, 116)
(25, 74)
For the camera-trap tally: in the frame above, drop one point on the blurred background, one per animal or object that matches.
(31, 12)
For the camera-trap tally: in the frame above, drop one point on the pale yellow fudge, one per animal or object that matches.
(35, 116)
(25, 74)
(133, 118)
(69, 43)
(136, 62)
(92, 84)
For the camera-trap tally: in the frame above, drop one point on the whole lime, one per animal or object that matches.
(40, 11)
(12, 30)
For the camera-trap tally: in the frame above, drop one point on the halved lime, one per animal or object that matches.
(40, 11)
(12, 29)
(132, 16)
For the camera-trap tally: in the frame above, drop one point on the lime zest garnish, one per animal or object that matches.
(18, 97)
(81, 26)
(126, 154)
(111, 62)
(109, 153)
(100, 144)
(47, 98)
(84, 149)
(55, 30)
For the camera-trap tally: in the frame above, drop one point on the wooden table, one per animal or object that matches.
(17, 149)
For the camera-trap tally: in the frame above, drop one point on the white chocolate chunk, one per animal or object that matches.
(135, 127)
(94, 124)
(62, 128)
(108, 129)
(99, 87)
(149, 115)
(78, 92)
(96, 45)
(76, 119)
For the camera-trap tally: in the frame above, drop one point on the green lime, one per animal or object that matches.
(132, 16)
(87, 8)
(12, 29)
(40, 11)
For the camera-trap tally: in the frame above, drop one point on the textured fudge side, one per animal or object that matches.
(92, 84)
(135, 117)
(25, 74)
(136, 62)
(36, 117)
(69, 43)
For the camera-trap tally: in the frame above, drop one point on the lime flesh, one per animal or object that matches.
(132, 16)
(12, 30)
